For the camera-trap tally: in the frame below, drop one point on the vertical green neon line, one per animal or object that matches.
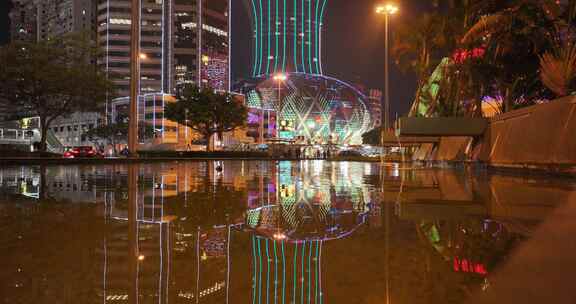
(310, 35)
(302, 274)
(277, 41)
(269, 38)
(295, 35)
(284, 38)
(303, 39)
(261, 38)
(259, 273)
(317, 268)
(254, 72)
(283, 275)
(309, 273)
(275, 274)
(320, 39)
(255, 270)
(267, 273)
(295, 273)
(317, 27)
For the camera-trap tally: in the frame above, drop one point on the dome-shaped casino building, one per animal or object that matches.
(307, 105)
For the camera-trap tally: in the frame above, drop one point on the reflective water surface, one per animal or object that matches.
(267, 232)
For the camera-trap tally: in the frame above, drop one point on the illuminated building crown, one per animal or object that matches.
(287, 36)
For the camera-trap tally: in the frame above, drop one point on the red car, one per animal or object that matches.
(82, 152)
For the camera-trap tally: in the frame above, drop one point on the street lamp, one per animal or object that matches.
(186, 129)
(280, 78)
(387, 10)
(135, 57)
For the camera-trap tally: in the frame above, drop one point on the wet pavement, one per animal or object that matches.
(284, 232)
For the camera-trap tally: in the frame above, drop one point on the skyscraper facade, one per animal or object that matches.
(287, 35)
(175, 50)
(35, 20)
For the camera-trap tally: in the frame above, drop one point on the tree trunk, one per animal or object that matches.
(209, 142)
(43, 134)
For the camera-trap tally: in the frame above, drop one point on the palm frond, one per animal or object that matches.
(558, 70)
(485, 25)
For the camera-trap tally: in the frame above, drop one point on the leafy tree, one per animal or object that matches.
(372, 137)
(207, 112)
(51, 79)
(115, 133)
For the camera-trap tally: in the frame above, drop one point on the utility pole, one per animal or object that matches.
(134, 78)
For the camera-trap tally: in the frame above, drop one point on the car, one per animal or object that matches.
(82, 152)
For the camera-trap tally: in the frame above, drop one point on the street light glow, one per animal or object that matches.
(280, 77)
(143, 56)
(389, 9)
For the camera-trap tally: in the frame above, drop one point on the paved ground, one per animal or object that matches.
(543, 270)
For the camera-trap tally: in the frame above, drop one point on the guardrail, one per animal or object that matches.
(29, 137)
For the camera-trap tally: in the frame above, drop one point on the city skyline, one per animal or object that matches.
(356, 24)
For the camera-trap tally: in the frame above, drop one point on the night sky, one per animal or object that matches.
(354, 46)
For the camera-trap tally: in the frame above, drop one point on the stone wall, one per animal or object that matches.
(540, 137)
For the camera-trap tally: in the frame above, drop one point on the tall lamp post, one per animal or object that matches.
(279, 78)
(387, 10)
(135, 57)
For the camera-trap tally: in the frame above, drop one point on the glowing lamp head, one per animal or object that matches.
(143, 56)
(205, 59)
(280, 77)
(388, 9)
(279, 236)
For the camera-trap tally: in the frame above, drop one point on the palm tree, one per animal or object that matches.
(515, 34)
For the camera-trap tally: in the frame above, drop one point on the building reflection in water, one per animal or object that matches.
(261, 232)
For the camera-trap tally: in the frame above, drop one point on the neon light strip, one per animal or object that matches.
(107, 55)
(170, 47)
(309, 272)
(255, 269)
(283, 275)
(261, 37)
(275, 274)
(303, 38)
(229, 46)
(277, 41)
(317, 269)
(284, 38)
(259, 273)
(295, 273)
(320, 267)
(269, 38)
(317, 29)
(255, 70)
(267, 273)
(302, 273)
(199, 2)
(162, 66)
(310, 35)
(295, 35)
(320, 42)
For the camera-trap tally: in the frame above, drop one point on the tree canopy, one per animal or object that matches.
(516, 51)
(51, 79)
(207, 112)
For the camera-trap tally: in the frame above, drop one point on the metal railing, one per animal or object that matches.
(29, 137)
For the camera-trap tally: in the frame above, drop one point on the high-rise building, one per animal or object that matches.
(35, 20)
(170, 40)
